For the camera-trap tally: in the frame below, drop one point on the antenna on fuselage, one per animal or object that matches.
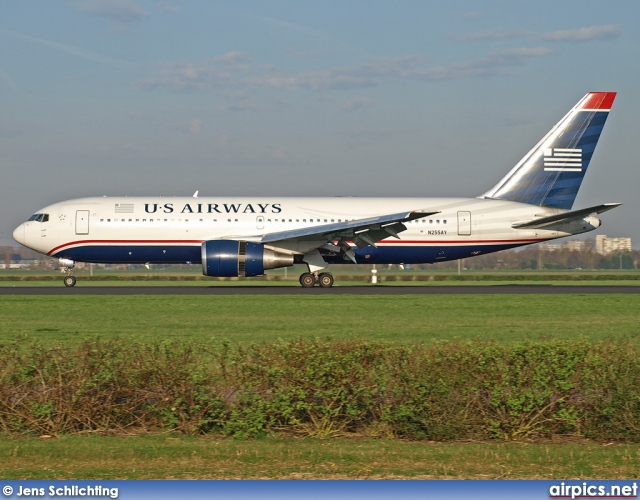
(195, 195)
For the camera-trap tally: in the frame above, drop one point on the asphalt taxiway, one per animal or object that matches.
(336, 290)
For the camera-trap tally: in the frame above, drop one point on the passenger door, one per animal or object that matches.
(82, 221)
(464, 223)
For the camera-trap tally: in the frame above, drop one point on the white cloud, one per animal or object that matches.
(493, 64)
(358, 102)
(168, 7)
(195, 127)
(234, 70)
(69, 49)
(121, 14)
(233, 58)
(493, 35)
(471, 15)
(584, 34)
(590, 34)
(220, 71)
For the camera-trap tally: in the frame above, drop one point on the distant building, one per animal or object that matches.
(606, 245)
(550, 247)
(574, 245)
(577, 245)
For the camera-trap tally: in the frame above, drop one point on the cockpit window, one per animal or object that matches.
(39, 217)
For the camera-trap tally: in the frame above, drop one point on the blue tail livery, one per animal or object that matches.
(551, 173)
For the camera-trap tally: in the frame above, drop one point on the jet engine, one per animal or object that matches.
(240, 258)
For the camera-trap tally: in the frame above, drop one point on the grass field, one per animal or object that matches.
(260, 318)
(245, 319)
(349, 276)
(154, 457)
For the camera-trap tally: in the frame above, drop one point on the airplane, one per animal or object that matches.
(244, 237)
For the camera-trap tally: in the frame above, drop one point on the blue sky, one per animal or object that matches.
(385, 98)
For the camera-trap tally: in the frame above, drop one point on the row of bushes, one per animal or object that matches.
(324, 388)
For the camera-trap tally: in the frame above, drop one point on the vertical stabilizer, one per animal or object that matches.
(551, 173)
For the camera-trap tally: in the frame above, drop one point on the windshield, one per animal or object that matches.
(39, 217)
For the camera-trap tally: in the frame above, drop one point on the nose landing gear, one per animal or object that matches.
(66, 266)
(323, 280)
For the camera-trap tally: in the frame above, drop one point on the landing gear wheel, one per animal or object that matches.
(70, 281)
(325, 280)
(307, 280)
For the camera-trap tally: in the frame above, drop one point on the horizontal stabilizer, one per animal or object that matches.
(565, 217)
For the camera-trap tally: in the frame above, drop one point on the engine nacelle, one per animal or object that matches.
(240, 258)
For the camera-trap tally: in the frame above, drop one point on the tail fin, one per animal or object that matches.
(551, 173)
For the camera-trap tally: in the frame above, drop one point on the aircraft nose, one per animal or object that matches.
(18, 234)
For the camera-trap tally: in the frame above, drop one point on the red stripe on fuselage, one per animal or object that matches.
(125, 242)
(382, 242)
(453, 242)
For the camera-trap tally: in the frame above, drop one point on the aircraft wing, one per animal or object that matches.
(362, 232)
(565, 217)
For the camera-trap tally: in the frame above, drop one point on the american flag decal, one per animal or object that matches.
(124, 208)
(562, 160)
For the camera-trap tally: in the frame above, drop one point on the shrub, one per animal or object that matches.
(324, 388)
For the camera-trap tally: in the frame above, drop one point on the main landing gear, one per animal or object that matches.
(70, 280)
(323, 280)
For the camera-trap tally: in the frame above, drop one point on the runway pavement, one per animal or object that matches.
(297, 290)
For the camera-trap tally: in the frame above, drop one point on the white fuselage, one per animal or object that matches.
(172, 230)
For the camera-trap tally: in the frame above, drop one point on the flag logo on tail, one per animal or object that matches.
(562, 160)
